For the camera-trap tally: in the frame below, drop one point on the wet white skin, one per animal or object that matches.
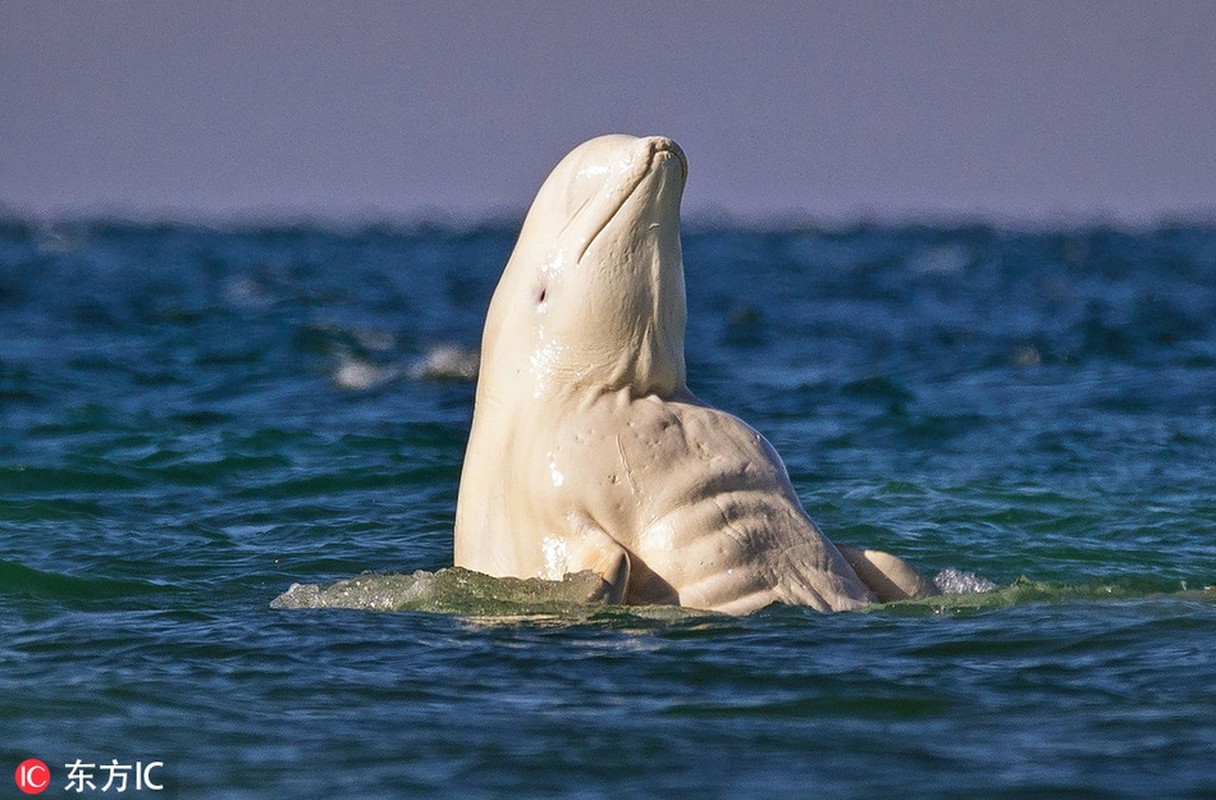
(587, 450)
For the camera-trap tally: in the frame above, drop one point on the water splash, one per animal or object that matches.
(452, 590)
(955, 581)
(447, 362)
(356, 374)
(460, 591)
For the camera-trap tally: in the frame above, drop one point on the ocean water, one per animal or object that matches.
(194, 419)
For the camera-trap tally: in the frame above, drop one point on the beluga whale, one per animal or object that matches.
(587, 450)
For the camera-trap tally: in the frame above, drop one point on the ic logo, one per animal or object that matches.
(33, 776)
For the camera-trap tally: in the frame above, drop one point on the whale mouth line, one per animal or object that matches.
(661, 147)
(611, 215)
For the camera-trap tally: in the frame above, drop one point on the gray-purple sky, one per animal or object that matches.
(1027, 110)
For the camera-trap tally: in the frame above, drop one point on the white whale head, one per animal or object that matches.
(593, 294)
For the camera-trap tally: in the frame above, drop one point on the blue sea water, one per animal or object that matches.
(193, 419)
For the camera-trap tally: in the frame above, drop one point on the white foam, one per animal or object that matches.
(954, 581)
(450, 362)
(355, 374)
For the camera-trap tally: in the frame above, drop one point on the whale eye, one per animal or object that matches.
(541, 294)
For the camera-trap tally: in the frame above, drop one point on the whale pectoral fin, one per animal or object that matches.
(889, 577)
(591, 548)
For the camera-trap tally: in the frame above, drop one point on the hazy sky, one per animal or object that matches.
(833, 109)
